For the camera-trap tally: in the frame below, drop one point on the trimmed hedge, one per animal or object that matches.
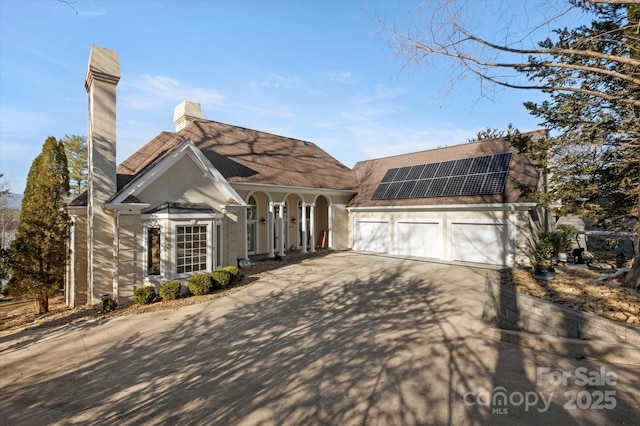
(170, 290)
(144, 295)
(109, 304)
(236, 275)
(221, 279)
(199, 284)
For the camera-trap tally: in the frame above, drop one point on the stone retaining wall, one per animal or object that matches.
(505, 308)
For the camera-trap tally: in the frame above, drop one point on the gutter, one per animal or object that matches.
(448, 207)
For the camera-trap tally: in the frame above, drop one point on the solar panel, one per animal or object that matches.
(437, 187)
(500, 163)
(481, 175)
(445, 169)
(379, 192)
(421, 188)
(388, 177)
(406, 189)
(494, 183)
(392, 191)
(462, 167)
(480, 165)
(415, 172)
(454, 185)
(473, 185)
(402, 174)
(429, 170)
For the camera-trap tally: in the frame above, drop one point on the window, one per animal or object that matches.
(191, 248)
(153, 251)
(252, 215)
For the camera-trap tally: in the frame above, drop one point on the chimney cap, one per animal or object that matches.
(185, 113)
(103, 65)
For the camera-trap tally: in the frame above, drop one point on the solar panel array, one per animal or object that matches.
(483, 175)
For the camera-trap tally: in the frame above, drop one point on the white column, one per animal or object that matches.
(312, 220)
(281, 247)
(330, 226)
(70, 288)
(242, 251)
(116, 254)
(270, 229)
(303, 225)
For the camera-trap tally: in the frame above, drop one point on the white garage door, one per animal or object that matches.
(372, 236)
(419, 239)
(479, 242)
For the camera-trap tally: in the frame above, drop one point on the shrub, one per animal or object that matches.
(221, 279)
(170, 290)
(236, 275)
(199, 284)
(109, 304)
(144, 295)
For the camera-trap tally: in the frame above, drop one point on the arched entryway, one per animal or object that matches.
(257, 223)
(322, 223)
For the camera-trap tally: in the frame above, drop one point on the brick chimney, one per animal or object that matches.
(185, 113)
(103, 74)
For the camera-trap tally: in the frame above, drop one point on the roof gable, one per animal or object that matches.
(154, 170)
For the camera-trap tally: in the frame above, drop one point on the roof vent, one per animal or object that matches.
(185, 113)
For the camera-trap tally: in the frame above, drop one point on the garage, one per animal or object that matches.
(479, 242)
(421, 239)
(372, 235)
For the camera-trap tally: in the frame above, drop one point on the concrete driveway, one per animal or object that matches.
(340, 340)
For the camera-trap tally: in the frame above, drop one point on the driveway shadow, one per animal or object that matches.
(360, 340)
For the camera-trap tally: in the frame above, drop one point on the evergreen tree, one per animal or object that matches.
(76, 150)
(593, 162)
(39, 251)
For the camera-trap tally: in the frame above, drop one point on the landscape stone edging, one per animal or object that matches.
(507, 309)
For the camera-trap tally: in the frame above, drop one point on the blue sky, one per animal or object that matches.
(321, 71)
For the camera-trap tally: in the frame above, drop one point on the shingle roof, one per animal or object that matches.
(370, 173)
(243, 155)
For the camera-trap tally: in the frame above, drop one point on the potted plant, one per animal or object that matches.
(548, 246)
(543, 254)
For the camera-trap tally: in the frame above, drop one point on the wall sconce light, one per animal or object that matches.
(293, 220)
(263, 221)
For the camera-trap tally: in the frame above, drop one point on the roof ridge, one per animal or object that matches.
(458, 145)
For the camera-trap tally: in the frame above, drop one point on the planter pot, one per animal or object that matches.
(543, 272)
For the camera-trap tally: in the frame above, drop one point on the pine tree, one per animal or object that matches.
(39, 251)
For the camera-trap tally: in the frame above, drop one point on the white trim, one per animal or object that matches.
(174, 252)
(446, 207)
(178, 216)
(145, 251)
(290, 189)
(130, 208)
(188, 148)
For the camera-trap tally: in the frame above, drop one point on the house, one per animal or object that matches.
(209, 194)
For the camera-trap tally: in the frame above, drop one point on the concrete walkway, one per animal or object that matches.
(345, 339)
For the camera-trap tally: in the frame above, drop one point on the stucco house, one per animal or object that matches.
(208, 194)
